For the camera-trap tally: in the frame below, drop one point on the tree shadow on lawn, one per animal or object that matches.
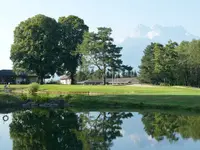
(189, 102)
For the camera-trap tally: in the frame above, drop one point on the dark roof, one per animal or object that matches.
(122, 80)
(114, 81)
(7, 73)
(12, 73)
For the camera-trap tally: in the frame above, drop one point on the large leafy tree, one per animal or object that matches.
(183, 64)
(159, 64)
(35, 46)
(99, 50)
(146, 73)
(194, 62)
(170, 66)
(165, 58)
(72, 29)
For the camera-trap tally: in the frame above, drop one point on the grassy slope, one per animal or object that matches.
(123, 89)
(8, 100)
(120, 90)
(129, 96)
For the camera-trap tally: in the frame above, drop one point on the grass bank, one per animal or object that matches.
(165, 102)
(122, 97)
(9, 101)
(113, 90)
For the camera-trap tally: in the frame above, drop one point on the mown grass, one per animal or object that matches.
(189, 102)
(117, 90)
(125, 97)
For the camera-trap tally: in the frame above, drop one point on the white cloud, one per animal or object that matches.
(143, 140)
(152, 141)
(152, 34)
(135, 138)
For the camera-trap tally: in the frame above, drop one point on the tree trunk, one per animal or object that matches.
(41, 80)
(104, 79)
(104, 75)
(186, 78)
(72, 78)
(38, 79)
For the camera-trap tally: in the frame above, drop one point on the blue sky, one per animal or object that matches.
(121, 16)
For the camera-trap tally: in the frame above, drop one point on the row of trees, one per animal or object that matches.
(173, 63)
(45, 46)
(84, 74)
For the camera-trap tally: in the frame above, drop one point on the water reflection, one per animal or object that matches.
(44, 130)
(168, 126)
(59, 130)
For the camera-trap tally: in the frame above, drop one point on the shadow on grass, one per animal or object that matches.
(129, 103)
(186, 102)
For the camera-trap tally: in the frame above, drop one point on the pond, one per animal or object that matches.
(60, 129)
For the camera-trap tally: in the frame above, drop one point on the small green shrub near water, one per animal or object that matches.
(40, 98)
(23, 97)
(33, 88)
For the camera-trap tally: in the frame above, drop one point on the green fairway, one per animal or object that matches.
(117, 90)
(158, 97)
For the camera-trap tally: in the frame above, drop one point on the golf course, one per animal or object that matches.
(94, 97)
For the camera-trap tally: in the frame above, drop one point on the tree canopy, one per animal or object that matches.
(99, 49)
(35, 46)
(72, 29)
(171, 64)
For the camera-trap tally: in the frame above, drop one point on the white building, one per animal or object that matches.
(65, 80)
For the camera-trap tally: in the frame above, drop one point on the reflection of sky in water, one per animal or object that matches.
(134, 137)
(5, 141)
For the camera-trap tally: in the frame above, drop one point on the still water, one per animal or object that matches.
(60, 130)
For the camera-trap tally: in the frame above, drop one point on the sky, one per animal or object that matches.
(121, 16)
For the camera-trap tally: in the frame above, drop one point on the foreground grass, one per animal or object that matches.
(9, 101)
(187, 102)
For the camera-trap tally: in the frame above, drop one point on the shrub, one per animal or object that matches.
(23, 97)
(33, 88)
(40, 98)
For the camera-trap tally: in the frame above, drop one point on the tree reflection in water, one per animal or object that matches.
(160, 126)
(44, 130)
(60, 129)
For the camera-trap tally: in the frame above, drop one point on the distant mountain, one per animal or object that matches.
(134, 45)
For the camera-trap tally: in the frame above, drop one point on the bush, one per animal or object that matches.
(23, 97)
(40, 98)
(33, 88)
